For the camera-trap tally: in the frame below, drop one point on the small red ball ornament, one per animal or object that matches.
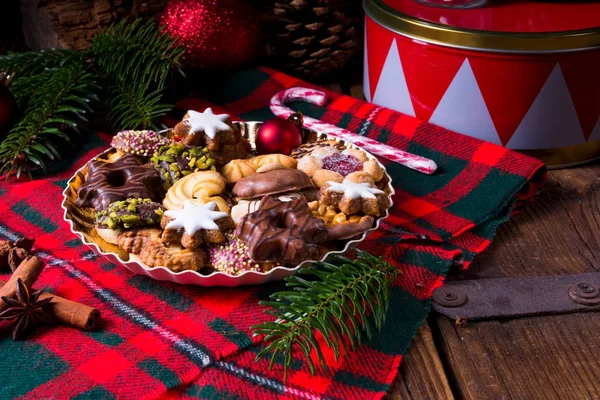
(218, 34)
(277, 136)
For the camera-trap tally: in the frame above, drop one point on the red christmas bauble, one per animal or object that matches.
(277, 136)
(222, 34)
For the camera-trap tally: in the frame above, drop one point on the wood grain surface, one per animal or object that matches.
(421, 374)
(550, 357)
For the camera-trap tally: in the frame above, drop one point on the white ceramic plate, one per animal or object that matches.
(80, 226)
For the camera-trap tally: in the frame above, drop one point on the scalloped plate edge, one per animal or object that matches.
(216, 278)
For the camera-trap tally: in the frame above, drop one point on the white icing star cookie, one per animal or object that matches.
(208, 122)
(354, 190)
(195, 217)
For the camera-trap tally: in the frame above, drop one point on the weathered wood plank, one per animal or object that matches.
(421, 374)
(554, 357)
(551, 357)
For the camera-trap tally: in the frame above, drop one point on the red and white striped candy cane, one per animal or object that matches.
(319, 98)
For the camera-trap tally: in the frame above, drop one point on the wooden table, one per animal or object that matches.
(544, 357)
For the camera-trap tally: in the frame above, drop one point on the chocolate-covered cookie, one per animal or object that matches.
(348, 230)
(108, 182)
(130, 213)
(271, 182)
(281, 231)
(307, 148)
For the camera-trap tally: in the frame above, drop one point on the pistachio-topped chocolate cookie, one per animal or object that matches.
(176, 161)
(107, 182)
(130, 213)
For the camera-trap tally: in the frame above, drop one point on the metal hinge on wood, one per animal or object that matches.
(518, 297)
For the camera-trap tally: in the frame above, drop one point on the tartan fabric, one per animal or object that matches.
(164, 340)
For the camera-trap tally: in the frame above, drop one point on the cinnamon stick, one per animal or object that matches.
(69, 312)
(28, 271)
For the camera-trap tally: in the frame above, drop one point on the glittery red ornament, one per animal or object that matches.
(277, 136)
(221, 34)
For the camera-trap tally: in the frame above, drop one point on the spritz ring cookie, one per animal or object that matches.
(203, 186)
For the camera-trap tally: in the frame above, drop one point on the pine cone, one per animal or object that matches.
(309, 38)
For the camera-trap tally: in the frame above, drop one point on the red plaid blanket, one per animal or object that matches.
(161, 339)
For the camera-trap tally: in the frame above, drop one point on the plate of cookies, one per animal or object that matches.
(196, 204)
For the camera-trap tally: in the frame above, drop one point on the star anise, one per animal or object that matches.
(13, 253)
(27, 310)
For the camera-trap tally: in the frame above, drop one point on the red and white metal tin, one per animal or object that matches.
(522, 74)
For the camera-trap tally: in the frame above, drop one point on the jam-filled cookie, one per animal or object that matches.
(328, 163)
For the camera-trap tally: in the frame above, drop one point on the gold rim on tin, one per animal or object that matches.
(477, 39)
(568, 156)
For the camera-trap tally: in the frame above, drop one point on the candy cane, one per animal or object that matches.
(319, 98)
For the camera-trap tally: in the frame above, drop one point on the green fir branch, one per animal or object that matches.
(341, 299)
(54, 89)
(33, 62)
(57, 109)
(130, 107)
(134, 60)
(136, 52)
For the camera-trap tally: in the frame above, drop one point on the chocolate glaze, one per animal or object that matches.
(282, 232)
(350, 230)
(143, 212)
(108, 182)
(271, 182)
(307, 148)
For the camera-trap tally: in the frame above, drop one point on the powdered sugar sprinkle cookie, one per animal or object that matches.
(353, 198)
(207, 122)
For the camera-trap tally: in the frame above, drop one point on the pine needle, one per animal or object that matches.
(133, 61)
(342, 299)
(125, 70)
(57, 109)
(33, 62)
(136, 52)
(136, 108)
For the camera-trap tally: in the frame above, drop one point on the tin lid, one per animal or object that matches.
(521, 26)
